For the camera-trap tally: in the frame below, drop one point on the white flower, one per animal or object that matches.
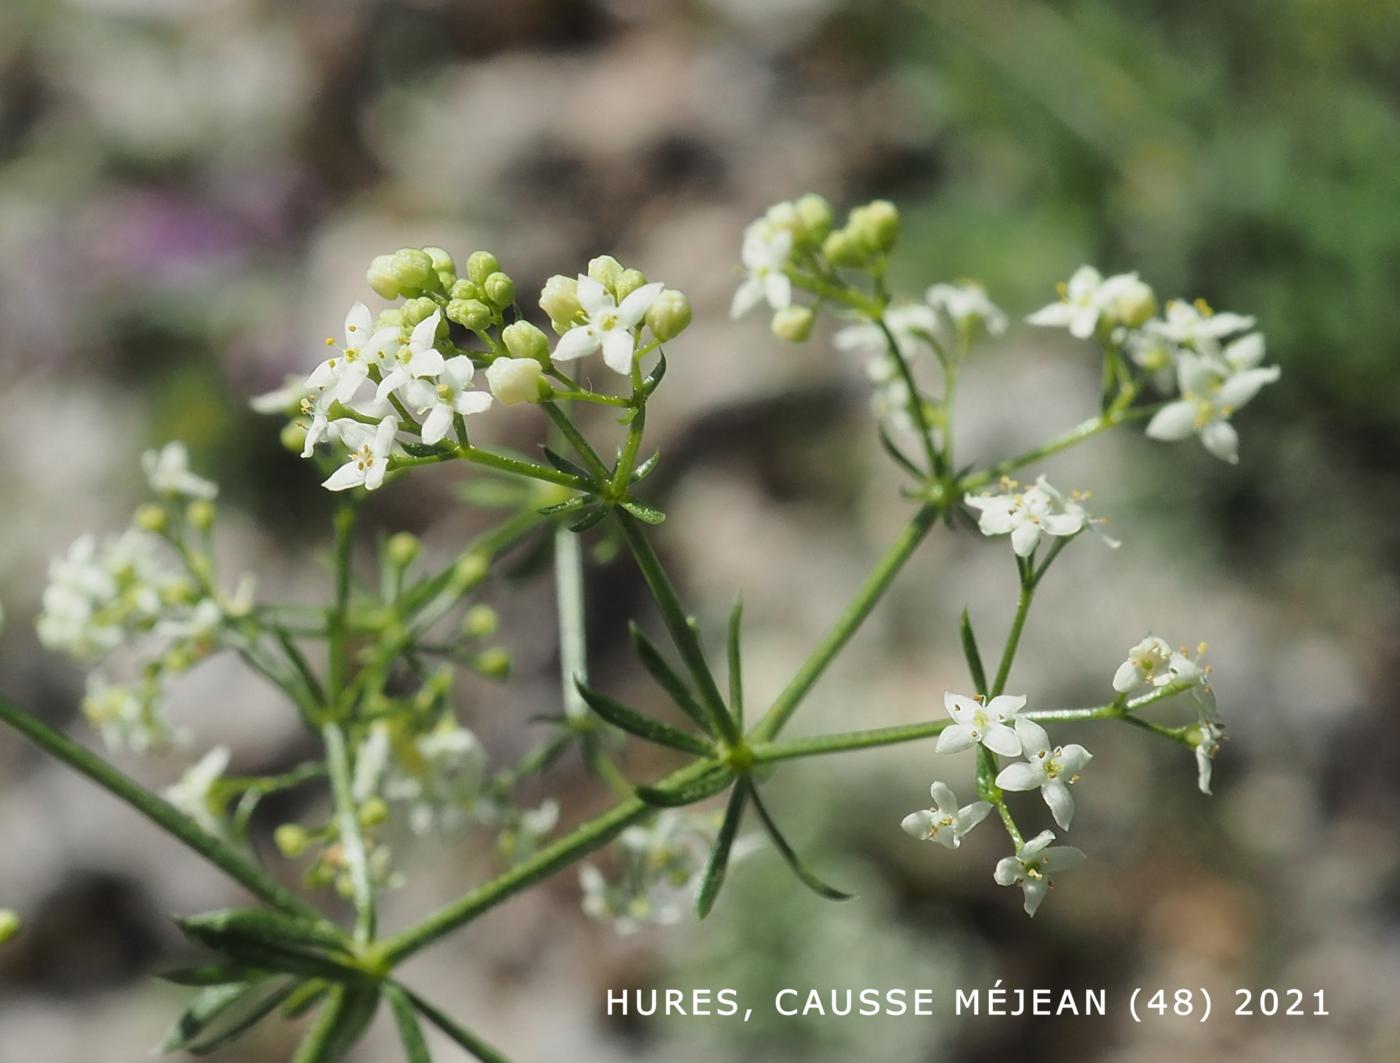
(1033, 865)
(286, 399)
(515, 380)
(168, 472)
(1050, 770)
(966, 304)
(608, 325)
(194, 793)
(1146, 664)
(1155, 355)
(1210, 394)
(944, 823)
(1207, 746)
(1079, 307)
(369, 454)
(127, 716)
(765, 253)
(910, 323)
(974, 722)
(1196, 327)
(1026, 514)
(444, 398)
(438, 775)
(341, 375)
(416, 359)
(661, 868)
(97, 595)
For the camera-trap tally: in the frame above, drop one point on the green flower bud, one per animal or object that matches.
(442, 261)
(465, 289)
(1133, 305)
(391, 318)
(480, 265)
(402, 549)
(494, 663)
(373, 812)
(319, 875)
(875, 225)
(669, 315)
(291, 840)
(470, 570)
(793, 323)
(201, 513)
(470, 313)
(10, 925)
(293, 437)
(605, 270)
(628, 281)
(480, 622)
(382, 278)
(559, 299)
(413, 268)
(416, 310)
(815, 218)
(499, 289)
(524, 340)
(841, 248)
(152, 518)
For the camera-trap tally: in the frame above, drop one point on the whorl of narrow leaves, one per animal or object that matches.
(718, 863)
(274, 942)
(805, 876)
(706, 786)
(669, 681)
(633, 722)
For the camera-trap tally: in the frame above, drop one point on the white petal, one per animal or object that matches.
(1246, 352)
(636, 305)
(577, 342)
(777, 289)
(747, 296)
(1126, 678)
(1061, 803)
(345, 477)
(351, 377)
(1174, 421)
(1056, 315)
(1064, 523)
(1001, 739)
(954, 739)
(917, 824)
(592, 296)
(1062, 858)
(426, 362)
(995, 520)
(1008, 870)
(944, 798)
(1004, 706)
(1083, 321)
(425, 332)
(1033, 848)
(1034, 740)
(1021, 776)
(1221, 439)
(618, 349)
(470, 402)
(1243, 386)
(959, 707)
(1074, 758)
(971, 815)
(358, 324)
(1024, 538)
(437, 424)
(1034, 890)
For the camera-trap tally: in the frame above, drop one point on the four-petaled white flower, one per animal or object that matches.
(415, 359)
(369, 454)
(1034, 864)
(1210, 394)
(1196, 327)
(966, 304)
(944, 823)
(194, 793)
(168, 472)
(445, 397)
(1079, 307)
(608, 325)
(342, 373)
(1026, 514)
(975, 722)
(1147, 664)
(765, 253)
(1048, 769)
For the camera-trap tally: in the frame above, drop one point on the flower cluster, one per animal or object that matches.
(660, 867)
(1213, 361)
(402, 383)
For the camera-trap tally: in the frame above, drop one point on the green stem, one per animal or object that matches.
(765, 752)
(336, 617)
(157, 809)
(576, 439)
(849, 621)
(1013, 637)
(351, 841)
(678, 623)
(573, 642)
(1086, 430)
(581, 841)
(916, 400)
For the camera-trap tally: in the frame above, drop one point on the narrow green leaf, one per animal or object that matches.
(718, 863)
(642, 471)
(209, 974)
(415, 1048)
(634, 722)
(270, 941)
(305, 997)
(339, 1024)
(260, 1009)
(666, 677)
(806, 877)
(590, 518)
(974, 658)
(643, 512)
(657, 374)
(564, 465)
(900, 458)
(423, 450)
(569, 505)
(464, 1037)
(207, 1005)
(690, 793)
(736, 671)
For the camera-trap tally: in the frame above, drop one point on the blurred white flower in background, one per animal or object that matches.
(168, 472)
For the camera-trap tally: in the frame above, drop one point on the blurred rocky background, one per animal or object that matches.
(189, 193)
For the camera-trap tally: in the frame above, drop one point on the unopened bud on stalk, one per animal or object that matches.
(524, 340)
(494, 664)
(875, 225)
(559, 299)
(516, 380)
(841, 248)
(470, 570)
(201, 513)
(441, 260)
(1134, 304)
(382, 278)
(464, 289)
(373, 812)
(402, 549)
(793, 323)
(480, 622)
(152, 518)
(10, 925)
(416, 310)
(628, 282)
(413, 268)
(814, 217)
(499, 289)
(470, 313)
(291, 840)
(293, 437)
(669, 315)
(480, 265)
(606, 270)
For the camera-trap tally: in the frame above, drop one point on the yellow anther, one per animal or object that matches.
(1203, 308)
